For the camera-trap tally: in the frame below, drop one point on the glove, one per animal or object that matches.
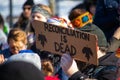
(68, 65)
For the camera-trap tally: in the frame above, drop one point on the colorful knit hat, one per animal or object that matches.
(42, 9)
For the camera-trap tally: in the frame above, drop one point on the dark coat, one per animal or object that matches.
(6, 53)
(105, 71)
(106, 16)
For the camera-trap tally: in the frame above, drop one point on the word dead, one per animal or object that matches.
(64, 48)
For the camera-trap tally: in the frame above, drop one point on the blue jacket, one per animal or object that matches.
(7, 52)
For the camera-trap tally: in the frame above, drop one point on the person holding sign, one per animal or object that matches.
(62, 23)
(39, 12)
(42, 13)
(82, 20)
(106, 69)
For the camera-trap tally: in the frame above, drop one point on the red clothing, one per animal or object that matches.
(52, 78)
(118, 78)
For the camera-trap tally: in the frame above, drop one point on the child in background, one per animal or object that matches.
(17, 41)
(48, 70)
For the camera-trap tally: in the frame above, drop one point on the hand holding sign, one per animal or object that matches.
(68, 64)
(2, 59)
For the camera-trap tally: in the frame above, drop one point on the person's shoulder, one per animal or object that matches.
(5, 52)
(108, 59)
(96, 27)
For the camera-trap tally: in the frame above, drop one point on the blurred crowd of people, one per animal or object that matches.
(21, 60)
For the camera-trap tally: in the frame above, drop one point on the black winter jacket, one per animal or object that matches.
(105, 71)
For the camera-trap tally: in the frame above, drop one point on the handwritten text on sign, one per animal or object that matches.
(55, 39)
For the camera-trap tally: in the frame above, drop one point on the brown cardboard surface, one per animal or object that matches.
(59, 40)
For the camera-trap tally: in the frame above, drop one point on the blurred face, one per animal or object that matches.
(27, 11)
(15, 47)
(39, 17)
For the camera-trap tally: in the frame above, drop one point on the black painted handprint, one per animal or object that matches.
(42, 39)
(87, 51)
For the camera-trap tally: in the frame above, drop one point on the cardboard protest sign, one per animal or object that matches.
(59, 40)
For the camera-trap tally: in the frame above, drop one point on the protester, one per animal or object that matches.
(106, 17)
(24, 19)
(48, 70)
(61, 22)
(106, 70)
(47, 67)
(20, 70)
(81, 20)
(40, 12)
(17, 40)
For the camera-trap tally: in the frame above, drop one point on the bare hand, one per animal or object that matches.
(117, 33)
(2, 59)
